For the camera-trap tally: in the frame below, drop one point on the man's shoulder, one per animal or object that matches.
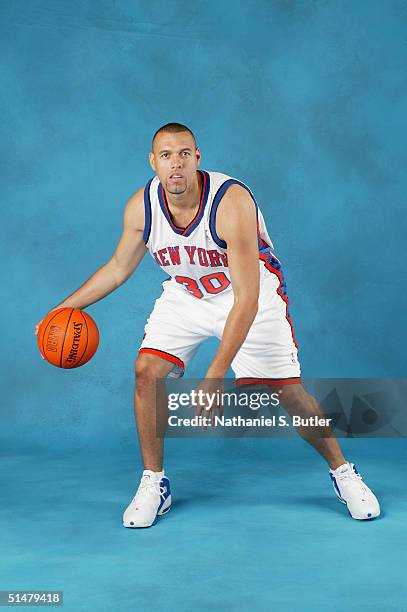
(134, 210)
(219, 176)
(218, 179)
(232, 195)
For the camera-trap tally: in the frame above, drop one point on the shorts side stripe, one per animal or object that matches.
(280, 293)
(280, 382)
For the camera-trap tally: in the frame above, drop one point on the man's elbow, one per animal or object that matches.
(120, 273)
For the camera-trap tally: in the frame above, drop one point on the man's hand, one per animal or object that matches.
(209, 399)
(37, 326)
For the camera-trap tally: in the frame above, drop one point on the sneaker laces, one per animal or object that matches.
(148, 485)
(350, 478)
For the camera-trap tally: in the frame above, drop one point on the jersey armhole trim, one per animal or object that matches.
(147, 212)
(216, 201)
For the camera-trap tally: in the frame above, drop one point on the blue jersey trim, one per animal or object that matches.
(147, 212)
(216, 201)
(265, 249)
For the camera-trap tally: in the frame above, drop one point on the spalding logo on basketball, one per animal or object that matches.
(68, 338)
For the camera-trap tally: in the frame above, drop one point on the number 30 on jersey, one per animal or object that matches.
(212, 283)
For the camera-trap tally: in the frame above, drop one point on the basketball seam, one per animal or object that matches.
(43, 335)
(63, 342)
(87, 337)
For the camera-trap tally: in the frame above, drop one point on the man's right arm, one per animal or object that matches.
(128, 254)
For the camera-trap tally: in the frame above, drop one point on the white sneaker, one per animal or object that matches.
(348, 485)
(153, 498)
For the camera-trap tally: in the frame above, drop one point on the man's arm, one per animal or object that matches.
(236, 224)
(128, 254)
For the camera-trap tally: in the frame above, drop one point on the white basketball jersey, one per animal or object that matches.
(195, 258)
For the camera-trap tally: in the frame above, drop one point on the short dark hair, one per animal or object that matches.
(173, 128)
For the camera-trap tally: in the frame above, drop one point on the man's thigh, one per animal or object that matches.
(269, 350)
(175, 329)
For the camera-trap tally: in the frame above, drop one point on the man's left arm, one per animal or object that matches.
(236, 224)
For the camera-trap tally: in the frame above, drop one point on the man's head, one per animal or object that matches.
(175, 157)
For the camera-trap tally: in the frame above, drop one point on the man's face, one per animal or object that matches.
(175, 159)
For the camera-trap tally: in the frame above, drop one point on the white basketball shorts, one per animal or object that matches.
(179, 323)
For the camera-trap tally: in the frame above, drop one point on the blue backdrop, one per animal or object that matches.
(305, 101)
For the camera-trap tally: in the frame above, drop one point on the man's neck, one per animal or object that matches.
(190, 198)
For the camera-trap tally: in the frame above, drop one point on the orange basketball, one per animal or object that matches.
(68, 337)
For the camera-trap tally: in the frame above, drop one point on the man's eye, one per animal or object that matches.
(186, 153)
(164, 154)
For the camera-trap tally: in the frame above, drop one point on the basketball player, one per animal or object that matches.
(205, 230)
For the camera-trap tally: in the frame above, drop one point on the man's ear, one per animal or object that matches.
(151, 160)
(198, 155)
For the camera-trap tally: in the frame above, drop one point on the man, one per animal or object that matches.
(205, 230)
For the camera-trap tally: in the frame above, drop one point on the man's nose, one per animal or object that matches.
(176, 162)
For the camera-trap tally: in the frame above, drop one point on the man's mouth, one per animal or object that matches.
(176, 176)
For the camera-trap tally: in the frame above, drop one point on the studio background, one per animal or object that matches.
(303, 101)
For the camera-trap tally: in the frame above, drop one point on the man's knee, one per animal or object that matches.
(295, 399)
(294, 396)
(150, 367)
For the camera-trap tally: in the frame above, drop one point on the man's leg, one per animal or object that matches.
(173, 332)
(150, 408)
(153, 497)
(297, 401)
(348, 485)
